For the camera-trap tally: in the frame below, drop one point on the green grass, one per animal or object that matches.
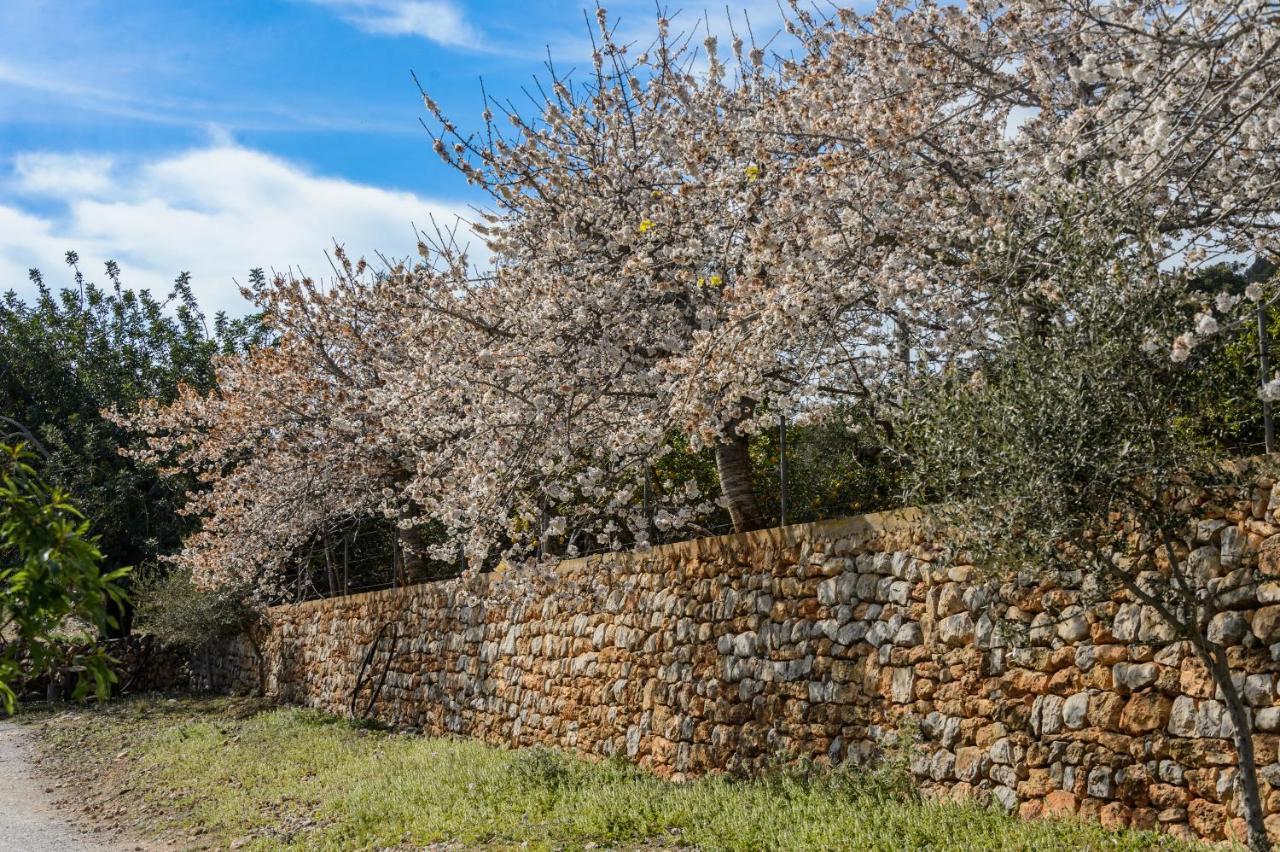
(229, 772)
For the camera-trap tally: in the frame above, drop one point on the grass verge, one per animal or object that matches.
(219, 773)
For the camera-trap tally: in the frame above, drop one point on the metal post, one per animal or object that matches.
(647, 498)
(397, 559)
(782, 468)
(1264, 370)
(544, 519)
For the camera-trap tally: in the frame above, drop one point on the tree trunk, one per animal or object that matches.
(414, 565)
(1250, 797)
(733, 463)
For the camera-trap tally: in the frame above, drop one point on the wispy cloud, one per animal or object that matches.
(435, 20)
(566, 35)
(26, 90)
(215, 211)
(47, 174)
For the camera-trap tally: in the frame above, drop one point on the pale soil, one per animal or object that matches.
(30, 818)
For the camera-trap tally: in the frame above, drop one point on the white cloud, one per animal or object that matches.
(436, 20)
(216, 212)
(45, 173)
(564, 31)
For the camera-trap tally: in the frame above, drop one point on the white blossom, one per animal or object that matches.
(1206, 325)
(1182, 346)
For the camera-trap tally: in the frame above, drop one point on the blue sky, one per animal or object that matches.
(214, 137)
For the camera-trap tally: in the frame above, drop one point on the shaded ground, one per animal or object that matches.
(30, 821)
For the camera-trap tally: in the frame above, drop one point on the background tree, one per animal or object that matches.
(52, 585)
(1227, 409)
(70, 354)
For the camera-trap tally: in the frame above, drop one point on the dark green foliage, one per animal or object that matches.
(835, 468)
(1226, 408)
(69, 355)
(51, 582)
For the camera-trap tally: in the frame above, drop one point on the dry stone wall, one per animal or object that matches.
(822, 641)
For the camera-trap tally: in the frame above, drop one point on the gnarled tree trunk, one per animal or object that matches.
(733, 464)
(1246, 761)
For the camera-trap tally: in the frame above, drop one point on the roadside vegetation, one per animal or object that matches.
(219, 773)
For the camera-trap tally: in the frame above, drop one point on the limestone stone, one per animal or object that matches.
(1100, 783)
(1043, 629)
(1115, 816)
(1127, 621)
(1259, 690)
(956, 630)
(1072, 624)
(1204, 563)
(1075, 711)
(1047, 714)
(1005, 798)
(1266, 624)
(1038, 783)
(1134, 676)
(1227, 628)
(1060, 803)
(1182, 717)
(1267, 719)
(1269, 592)
(1145, 712)
(1207, 819)
(1154, 628)
(827, 592)
(971, 763)
(1269, 555)
(1207, 530)
(943, 765)
(902, 686)
(1105, 709)
(1002, 752)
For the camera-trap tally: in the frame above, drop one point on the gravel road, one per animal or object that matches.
(29, 822)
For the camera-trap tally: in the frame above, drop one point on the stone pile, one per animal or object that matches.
(824, 641)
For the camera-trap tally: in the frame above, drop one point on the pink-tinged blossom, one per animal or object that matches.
(689, 245)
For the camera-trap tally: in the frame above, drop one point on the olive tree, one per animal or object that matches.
(1062, 455)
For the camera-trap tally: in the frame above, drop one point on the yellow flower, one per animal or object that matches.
(753, 172)
(716, 280)
(646, 225)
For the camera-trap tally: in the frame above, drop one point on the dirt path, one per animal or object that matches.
(29, 822)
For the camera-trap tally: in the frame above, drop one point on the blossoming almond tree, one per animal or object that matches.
(702, 250)
(284, 444)
(653, 230)
(620, 222)
(696, 249)
(949, 124)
